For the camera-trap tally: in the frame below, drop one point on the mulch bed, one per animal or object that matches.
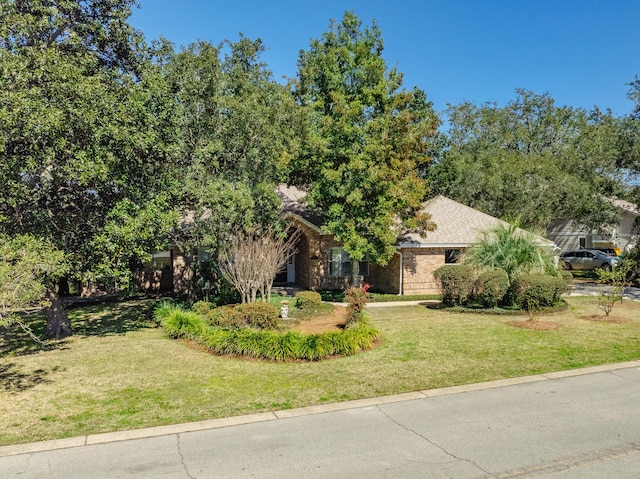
(333, 322)
(605, 319)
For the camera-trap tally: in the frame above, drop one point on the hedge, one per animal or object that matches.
(456, 281)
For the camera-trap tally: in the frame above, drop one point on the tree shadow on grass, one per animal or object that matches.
(13, 380)
(113, 318)
(102, 319)
(14, 341)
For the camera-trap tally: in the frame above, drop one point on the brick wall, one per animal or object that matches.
(312, 264)
(419, 265)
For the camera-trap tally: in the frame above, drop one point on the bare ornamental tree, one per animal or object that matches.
(252, 261)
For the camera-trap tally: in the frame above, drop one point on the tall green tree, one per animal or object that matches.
(78, 136)
(531, 160)
(368, 139)
(235, 133)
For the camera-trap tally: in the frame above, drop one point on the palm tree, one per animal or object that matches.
(512, 250)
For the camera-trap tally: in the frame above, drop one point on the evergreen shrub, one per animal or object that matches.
(456, 282)
(259, 315)
(537, 290)
(308, 300)
(203, 307)
(249, 315)
(490, 288)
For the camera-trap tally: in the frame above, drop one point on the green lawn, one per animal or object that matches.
(121, 372)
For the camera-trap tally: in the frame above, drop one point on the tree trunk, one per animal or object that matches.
(63, 287)
(58, 325)
(355, 273)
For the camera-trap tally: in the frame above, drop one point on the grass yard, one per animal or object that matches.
(120, 371)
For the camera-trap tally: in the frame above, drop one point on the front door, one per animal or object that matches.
(291, 269)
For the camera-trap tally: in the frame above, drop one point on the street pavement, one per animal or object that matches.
(576, 424)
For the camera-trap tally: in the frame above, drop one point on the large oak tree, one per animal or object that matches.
(78, 137)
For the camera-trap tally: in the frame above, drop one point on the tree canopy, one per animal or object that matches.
(531, 160)
(367, 140)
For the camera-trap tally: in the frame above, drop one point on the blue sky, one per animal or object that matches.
(582, 52)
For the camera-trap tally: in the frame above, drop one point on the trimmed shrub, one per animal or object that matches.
(536, 290)
(203, 307)
(308, 300)
(227, 317)
(456, 281)
(490, 288)
(248, 315)
(567, 277)
(259, 315)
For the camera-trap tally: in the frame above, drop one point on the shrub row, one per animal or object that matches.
(264, 344)
(462, 285)
(249, 315)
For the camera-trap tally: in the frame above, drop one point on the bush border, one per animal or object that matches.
(269, 345)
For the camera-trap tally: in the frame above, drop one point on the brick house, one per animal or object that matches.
(321, 263)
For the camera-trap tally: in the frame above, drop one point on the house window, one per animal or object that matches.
(340, 263)
(452, 256)
(161, 261)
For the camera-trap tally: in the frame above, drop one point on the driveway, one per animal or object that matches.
(577, 424)
(592, 288)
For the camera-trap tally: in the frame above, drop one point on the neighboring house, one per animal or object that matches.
(321, 263)
(570, 234)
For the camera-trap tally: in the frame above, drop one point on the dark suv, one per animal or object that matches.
(588, 259)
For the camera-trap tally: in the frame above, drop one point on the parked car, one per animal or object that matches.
(608, 251)
(588, 259)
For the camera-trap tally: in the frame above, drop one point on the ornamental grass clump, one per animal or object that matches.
(180, 323)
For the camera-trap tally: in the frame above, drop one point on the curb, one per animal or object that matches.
(104, 438)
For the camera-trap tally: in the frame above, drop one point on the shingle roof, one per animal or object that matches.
(625, 206)
(293, 203)
(457, 225)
